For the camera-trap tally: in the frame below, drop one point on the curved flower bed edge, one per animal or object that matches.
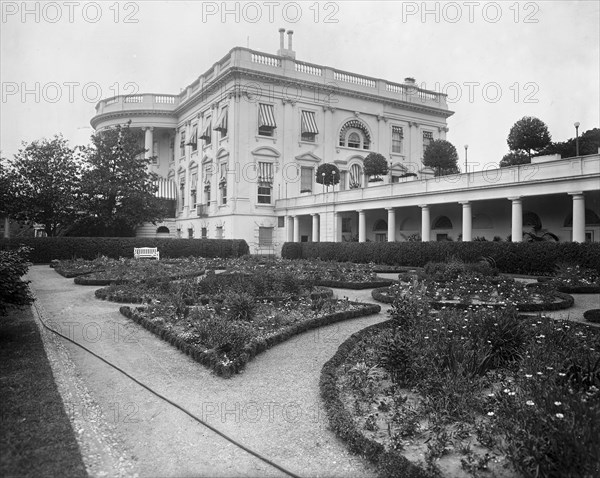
(389, 462)
(574, 289)
(210, 359)
(565, 302)
(82, 280)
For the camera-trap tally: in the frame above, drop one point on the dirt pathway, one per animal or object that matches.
(274, 406)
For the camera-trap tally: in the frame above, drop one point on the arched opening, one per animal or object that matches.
(531, 219)
(163, 230)
(442, 222)
(354, 134)
(380, 225)
(591, 219)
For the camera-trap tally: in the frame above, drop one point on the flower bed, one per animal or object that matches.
(472, 289)
(210, 335)
(472, 392)
(574, 279)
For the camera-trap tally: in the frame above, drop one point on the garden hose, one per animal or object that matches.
(179, 407)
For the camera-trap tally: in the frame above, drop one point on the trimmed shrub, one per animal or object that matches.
(14, 291)
(46, 249)
(508, 257)
(592, 315)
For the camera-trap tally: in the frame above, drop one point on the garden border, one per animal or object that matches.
(355, 285)
(209, 357)
(343, 424)
(576, 289)
(80, 280)
(565, 302)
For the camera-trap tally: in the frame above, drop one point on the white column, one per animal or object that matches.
(391, 221)
(6, 227)
(296, 228)
(338, 227)
(517, 220)
(149, 141)
(578, 217)
(425, 223)
(290, 228)
(315, 227)
(362, 226)
(467, 221)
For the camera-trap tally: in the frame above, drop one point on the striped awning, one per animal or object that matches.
(266, 116)
(206, 129)
(194, 136)
(265, 172)
(309, 125)
(222, 121)
(167, 189)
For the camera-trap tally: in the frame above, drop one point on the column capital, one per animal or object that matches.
(465, 203)
(390, 208)
(360, 211)
(515, 198)
(424, 206)
(313, 214)
(576, 194)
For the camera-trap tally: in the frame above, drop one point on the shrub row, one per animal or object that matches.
(592, 315)
(210, 358)
(390, 463)
(573, 289)
(508, 257)
(83, 280)
(354, 285)
(45, 249)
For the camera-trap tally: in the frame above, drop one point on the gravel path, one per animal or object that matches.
(273, 407)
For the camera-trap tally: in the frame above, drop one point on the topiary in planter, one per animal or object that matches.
(592, 315)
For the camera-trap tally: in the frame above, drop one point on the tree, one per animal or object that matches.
(441, 155)
(589, 142)
(375, 166)
(118, 189)
(528, 134)
(44, 180)
(331, 177)
(513, 158)
(14, 291)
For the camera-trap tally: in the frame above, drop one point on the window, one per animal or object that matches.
(355, 176)
(397, 137)
(182, 143)
(264, 195)
(194, 185)
(193, 141)
(172, 149)
(219, 232)
(223, 184)
(266, 120)
(207, 183)
(346, 224)
(204, 233)
(265, 236)
(280, 221)
(221, 126)
(308, 128)
(206, 131)
(154, 153)
(442, 222)
(190, 233)
(427, 139)
(354, 134)
(381, 237)
(306, 179)
(182, 192)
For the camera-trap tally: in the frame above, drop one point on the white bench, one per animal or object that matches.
(146, 252)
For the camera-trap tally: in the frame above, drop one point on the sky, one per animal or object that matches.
(497, 61)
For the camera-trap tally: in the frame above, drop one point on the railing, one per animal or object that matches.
(357, 80)
(165, 99)
(112, 100)
(266, 60)
(133, 99)
(395, 88)
(309, 69)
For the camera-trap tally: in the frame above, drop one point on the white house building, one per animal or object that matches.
(238, 150)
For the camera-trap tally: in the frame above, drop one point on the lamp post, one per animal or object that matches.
(333, 173)
(323, 183)
(466, 149)
(577, 138)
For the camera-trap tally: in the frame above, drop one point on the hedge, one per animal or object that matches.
(45, 249)
(509, 257)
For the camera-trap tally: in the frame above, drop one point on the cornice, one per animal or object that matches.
(131, 113)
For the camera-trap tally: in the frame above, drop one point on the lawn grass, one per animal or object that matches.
(36, 438)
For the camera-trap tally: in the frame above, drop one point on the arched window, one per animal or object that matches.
(591, 219)
(442, 222)
(531, 219)
(355, 176)
(354, 134)
(380, 225)
(163, 230)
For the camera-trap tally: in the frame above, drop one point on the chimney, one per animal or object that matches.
(409, 81)
(281, 32)
(283, 51)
